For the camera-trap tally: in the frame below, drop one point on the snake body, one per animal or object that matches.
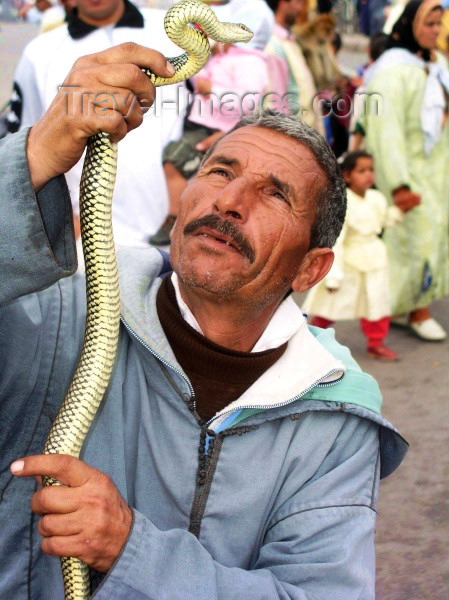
(99, 349)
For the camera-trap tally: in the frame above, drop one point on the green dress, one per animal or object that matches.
(418, 246)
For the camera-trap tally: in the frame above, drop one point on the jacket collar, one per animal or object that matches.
(283, 325)
(304, 364)
(319, 383)
(78, 28)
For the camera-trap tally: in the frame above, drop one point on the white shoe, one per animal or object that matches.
(429, 330)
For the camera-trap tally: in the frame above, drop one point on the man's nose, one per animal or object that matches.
(234, 199)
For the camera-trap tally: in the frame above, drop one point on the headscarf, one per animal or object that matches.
(404, 51)
(406, 28)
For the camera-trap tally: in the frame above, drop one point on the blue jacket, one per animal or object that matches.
(274, 498)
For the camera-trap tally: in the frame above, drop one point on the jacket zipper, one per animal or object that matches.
(207, 461)
(163, 361)
(280, 404)
(211, 442)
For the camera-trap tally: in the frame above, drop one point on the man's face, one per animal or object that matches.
(100, 12)
(292, 9)
(244, 224)
(42, 5)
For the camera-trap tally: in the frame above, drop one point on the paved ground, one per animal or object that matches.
(13, 37)
(413, 525)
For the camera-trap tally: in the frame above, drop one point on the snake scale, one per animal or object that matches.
(99, 349)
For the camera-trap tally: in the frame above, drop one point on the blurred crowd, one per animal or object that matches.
(386, 120)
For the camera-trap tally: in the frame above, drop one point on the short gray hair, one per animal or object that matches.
(331, 200)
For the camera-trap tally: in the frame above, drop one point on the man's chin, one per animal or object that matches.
(209, 275)
(210, 269)
(209, 282)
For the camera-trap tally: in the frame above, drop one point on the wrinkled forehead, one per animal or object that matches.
(264, 152)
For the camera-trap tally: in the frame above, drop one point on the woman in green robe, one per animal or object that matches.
(405, 124)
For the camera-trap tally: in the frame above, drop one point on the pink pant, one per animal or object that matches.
(374, 331)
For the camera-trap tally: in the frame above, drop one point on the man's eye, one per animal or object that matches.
(278, 194)
(220, 171)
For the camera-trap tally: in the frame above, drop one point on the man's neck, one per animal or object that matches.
(225, 323)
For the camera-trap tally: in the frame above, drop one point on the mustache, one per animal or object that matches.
(225, 227)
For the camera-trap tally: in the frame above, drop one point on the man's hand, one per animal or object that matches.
(106, 91)
(203, 86)
(405, 199)
(85, 518)
(207, 142)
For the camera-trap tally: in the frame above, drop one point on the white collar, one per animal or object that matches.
(304, 364)
(286, 321)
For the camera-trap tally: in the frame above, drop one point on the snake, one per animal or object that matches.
(99, 348)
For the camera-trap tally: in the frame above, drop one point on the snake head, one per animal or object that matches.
(236, 32)
(246, 33)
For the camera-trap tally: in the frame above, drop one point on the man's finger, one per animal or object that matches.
(99, 110)
(72, 545)
(131, 53)
(124, 87)
(55, 499)
(51, 525)
(207, 142)
(120, 77)
(66, 469)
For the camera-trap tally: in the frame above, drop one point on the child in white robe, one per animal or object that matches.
(357, 286)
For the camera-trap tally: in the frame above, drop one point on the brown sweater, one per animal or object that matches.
(218, 375)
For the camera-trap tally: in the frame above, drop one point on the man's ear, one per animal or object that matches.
(316, 265)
